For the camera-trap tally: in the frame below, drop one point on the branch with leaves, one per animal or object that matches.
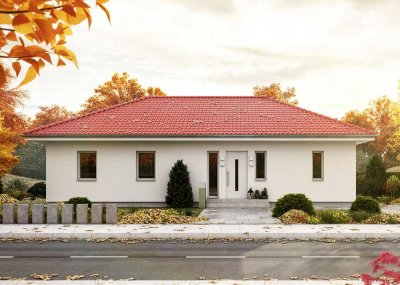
(33, 33)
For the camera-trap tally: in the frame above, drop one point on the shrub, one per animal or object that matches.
(365, 203)
(15, 184)
(383, 219)
(359, 216)
(294, 217)
(293, 201)
(179, 189)
(38, 190)
(395, 202)
(257, 194)
(19, 195)
(375, 176)
(384, 200)
(392, 185)
(264, 193)
(79, 200)
(7, 199)
(332, 216)
(313, 220)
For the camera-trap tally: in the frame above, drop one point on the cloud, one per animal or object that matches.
(216, 7)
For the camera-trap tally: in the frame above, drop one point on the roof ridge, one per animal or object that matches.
(86, 115)
(318, 114)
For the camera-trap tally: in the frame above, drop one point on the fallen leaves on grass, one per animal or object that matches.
(159, 216)
(383, 219)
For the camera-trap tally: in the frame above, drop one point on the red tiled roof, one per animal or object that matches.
(201, 116)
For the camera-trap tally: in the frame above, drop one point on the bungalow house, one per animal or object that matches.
(124, 153)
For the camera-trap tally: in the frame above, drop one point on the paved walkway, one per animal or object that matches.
(249, 216)
(270, 231)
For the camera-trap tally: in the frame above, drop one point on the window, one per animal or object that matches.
(213, 174)
(260, 165)
(146, 165)
(318, 165)
(87, 164)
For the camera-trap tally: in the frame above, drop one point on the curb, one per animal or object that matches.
(201, 232)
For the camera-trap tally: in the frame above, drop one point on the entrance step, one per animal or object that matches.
(237, 203)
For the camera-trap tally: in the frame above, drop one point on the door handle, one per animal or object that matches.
(227, 178)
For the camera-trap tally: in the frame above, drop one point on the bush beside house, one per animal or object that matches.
(38, 190)
(179, 189)
(375, 177)
(293, 201)
(365, 203)
(32, 161)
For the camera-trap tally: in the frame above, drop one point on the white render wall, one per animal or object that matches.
(289, 169)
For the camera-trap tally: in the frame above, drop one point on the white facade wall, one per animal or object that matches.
(289, 169)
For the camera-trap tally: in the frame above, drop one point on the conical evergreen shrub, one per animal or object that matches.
(179, 190)
(375, 176)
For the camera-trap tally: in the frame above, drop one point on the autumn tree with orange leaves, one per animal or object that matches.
(50, 114)
(275, 92)
(121, 88)
(382, 116)
(33, 33)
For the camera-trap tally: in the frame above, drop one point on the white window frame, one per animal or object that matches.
(265, 165)
(322, 165)
(79, 165)
(137, 165)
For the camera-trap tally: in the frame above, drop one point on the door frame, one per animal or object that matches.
(208, 174)
(226, 169)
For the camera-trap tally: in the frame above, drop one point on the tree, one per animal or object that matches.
(179, 190)
(393, 185)
(50, 114)
(8, 143)
(382, 116)
(121, 88)
(34, 32)
(274, 91)
(375, 177)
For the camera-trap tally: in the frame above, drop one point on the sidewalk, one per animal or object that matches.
(337, 232)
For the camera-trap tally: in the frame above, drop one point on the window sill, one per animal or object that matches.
(318, 179)
(145, 179)
(87, 179)
(261, 179)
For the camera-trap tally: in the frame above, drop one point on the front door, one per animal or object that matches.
(236, 175)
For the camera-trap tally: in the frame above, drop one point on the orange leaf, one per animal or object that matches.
(11, 36)
(104, 9)
(33, 63)
(89, 17)
(81, 4)
(22, 24)
(29, 76)
(60, 62)
(46, 29)
(69, 10)
(17, 67)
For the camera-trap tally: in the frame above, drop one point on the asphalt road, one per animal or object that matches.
(164, 260)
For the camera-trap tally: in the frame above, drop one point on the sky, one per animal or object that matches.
(339, 55)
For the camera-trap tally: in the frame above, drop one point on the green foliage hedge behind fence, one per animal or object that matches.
(32, 161)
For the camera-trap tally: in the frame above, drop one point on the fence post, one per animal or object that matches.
(23, 213)
(52, 214)
(8, 214)
(81, 213)
(67, 210)
(111, 213)
(37, 214)
(97, 214)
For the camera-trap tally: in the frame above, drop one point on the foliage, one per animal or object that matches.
(375, 176)
(382, 116)
(384, 200)
(293, 201)
(365, 203)
(392, 185)
(158, 216)
(275, 92)
(359, 216)
(395, 202)
(79, 200)
(34, 33)
(387, 270)
(51, 114)
(7, 199)
(19, 195)
(383, 219)
(8, 143)
(1, 185)
(38, 190)
(120, 89)
(16, 184)
(294, 217)
(179, 189)
(332, 216)
(257, 194)
(32, 160)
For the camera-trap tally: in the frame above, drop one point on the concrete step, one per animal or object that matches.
(237, 203)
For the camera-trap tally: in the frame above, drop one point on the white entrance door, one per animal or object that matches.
(236, 175)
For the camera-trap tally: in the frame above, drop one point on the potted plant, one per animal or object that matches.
(264, 193)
